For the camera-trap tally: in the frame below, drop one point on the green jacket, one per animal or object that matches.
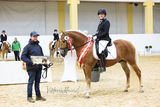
(16, 46)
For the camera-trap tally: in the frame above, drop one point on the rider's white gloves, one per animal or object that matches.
(94, 37)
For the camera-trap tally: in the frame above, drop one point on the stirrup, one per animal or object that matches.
(102, 69)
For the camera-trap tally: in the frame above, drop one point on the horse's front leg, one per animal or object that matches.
(6, 56)
(3, 56)
(51, 53)
(87, 72)
(0, 55)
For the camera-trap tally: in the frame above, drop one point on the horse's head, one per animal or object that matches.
(69, 38)
(65, 44)
(57, 48)
(6, 47)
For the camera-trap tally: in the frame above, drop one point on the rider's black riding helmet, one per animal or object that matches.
(55, 30)
(3, 31)
(102, 11)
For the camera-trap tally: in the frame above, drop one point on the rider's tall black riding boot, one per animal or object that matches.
(52, 47)
(103, 62)
(0, 47)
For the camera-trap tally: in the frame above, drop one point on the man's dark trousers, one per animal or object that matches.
(34, 76)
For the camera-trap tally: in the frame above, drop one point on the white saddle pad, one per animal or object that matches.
(112, 52)
(54, 42)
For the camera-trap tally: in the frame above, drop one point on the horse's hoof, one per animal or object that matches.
(125, 90)
(141, 91)
(87, 97)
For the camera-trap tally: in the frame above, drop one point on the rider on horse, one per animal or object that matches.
(55, 37)
(103, 35)
(3, 37)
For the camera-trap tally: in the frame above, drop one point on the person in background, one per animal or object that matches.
(3, 37)
(34, 70)
(16, 48)
(55, 37)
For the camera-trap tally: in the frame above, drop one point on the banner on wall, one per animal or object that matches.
(22, 17)
(156, 17)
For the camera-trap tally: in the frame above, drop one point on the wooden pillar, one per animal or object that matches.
(129, 18)
(61, 16)
(73, 11)
(148, 16)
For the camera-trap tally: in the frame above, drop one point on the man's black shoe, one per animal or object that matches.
(40, 98)
(30, 99)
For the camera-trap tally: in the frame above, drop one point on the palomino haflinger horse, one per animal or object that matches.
(55, 49)
(126, 54)
(5, 49)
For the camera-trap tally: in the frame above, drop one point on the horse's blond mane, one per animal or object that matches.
(79, 31)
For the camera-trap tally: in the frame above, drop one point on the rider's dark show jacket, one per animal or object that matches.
(56, 36)
(103, 30)
(3, 38)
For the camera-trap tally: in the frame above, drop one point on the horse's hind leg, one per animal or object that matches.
(127, 72)
(135, 67)
(138, 72)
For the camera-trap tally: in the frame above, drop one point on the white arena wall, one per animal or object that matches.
(14, 74)
(138, 40)
(20, 18)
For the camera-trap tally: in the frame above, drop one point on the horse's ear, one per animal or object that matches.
(62, 32)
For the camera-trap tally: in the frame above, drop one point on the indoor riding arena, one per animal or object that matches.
(50, 57)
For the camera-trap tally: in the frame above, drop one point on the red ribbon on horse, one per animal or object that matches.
(69, 41)
(84, 50)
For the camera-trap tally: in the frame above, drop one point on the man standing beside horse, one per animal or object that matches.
(34, 70)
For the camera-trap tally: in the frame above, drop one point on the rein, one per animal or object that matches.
(44, 74)
(74, 47)
(77, 46)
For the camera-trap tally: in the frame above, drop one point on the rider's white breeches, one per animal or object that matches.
(102, 45)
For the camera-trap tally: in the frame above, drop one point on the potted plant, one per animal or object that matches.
(150, 47)
(146, 47)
